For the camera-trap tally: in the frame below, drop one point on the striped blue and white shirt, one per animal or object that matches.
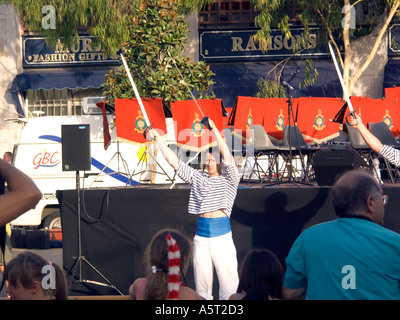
(210, 194)
(391, 154)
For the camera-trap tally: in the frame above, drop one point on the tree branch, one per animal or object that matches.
(375, 47)
(331, 37)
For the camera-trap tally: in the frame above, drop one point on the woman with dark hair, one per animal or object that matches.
(261, 276)
(212, 195)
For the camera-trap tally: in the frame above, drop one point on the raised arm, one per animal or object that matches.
(168, 154)
(223, 147)
(23, 193)
(373, 142)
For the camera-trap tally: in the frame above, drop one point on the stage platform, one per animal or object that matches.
(118, 223)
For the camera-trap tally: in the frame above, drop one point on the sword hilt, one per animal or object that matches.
(351, 113)
(146, 130)
(205, 121)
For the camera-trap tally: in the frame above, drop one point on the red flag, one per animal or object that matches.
(248, 111)
(377, 110)
(130, 122)
(190, 133)
(276, 116)
(106, 130)
(314, 118)
(393, 94)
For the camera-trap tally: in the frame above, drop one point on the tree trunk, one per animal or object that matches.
(378, 40)
(347, 48)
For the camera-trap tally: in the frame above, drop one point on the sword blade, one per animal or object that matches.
(344, 88)
(136, 91)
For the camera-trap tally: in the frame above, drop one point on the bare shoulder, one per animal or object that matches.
(235, 296)
(186, 293)
(133, 289)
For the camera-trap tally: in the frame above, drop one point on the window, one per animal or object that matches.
(227, 11)
(56, 102)
(237, 11)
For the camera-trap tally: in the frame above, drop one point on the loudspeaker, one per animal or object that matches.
(75, 141)
(330, 164)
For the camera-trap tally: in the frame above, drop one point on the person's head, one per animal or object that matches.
(261, 275)
(357, 192)
(213, 162)
(157, 262)
(8, 156)
(30, 277)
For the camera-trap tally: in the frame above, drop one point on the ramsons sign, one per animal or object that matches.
(219, 45)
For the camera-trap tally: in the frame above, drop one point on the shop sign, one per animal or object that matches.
(223, 45)
(37, 53)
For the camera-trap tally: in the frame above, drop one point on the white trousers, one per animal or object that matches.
(218, 252)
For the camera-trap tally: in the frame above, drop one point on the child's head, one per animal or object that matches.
(157, 262)
(30, 277)
(261, 275)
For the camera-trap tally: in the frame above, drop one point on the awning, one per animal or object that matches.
(233, 79)
(56, 79)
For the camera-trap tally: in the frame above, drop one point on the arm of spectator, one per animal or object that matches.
(294, 294)
(23, 193)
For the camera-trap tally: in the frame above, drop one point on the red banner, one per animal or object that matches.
(190, 133)
(314, 116)
(276, 116)
(269, 112)
(377, 110)
(248, 111)
(393, 94)
(130, 122)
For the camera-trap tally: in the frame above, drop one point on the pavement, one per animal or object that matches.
(55, 255)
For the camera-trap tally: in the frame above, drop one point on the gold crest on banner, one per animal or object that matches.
(249, 121)
(197, 127)
(388, 119)
(280, 122)
(319, 122)
(140, 123)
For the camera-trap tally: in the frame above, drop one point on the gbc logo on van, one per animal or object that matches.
(46, 159)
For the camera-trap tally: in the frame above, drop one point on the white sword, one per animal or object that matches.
(346, 94)
(146, 118)
(205, 120)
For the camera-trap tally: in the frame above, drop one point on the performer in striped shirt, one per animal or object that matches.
(211, 197)
(388, 152)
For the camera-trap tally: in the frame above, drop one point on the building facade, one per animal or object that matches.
(37, 80)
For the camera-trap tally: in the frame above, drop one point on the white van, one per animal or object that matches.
(38, 154)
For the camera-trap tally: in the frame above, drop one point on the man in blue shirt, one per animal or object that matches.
(353, 257)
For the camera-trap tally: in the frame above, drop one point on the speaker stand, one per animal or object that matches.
(120, 160)
(143, 159)
(80, 259)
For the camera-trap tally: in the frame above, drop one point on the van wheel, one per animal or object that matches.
(52, 221)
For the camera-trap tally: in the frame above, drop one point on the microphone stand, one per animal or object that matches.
(289, 88)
